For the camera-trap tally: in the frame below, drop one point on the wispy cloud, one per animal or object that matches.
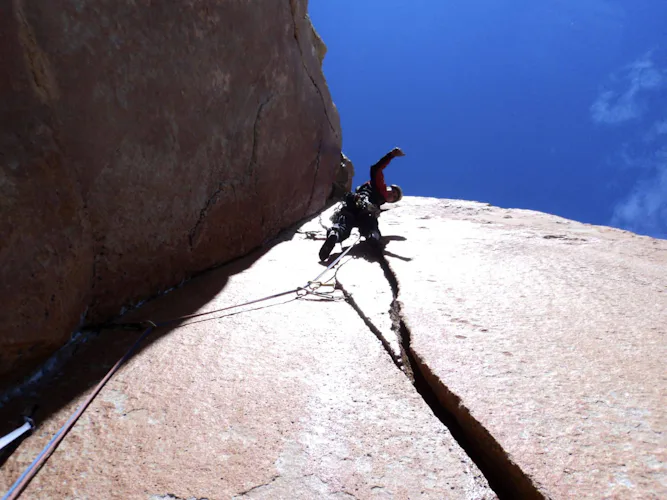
(658, 129)
(639, 93)
(613, 107)
(644, 210)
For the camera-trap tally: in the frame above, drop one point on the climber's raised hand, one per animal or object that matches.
(397, 152)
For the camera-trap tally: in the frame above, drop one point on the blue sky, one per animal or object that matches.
(552, 105)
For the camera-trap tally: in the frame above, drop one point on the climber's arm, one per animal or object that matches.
(377, 174)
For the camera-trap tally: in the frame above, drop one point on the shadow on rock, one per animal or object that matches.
(391, 254)
(85, 363)
(367, 251)
(394, 237)
(90, 361)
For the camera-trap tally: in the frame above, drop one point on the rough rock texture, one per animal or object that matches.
(143, 141)
(545, 338)
(343, 182)
(538, 342)
(289, 399)
(368, 291)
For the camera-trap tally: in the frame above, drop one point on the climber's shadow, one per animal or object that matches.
(394, 237)
(396, 256)
(369, 252)
(313, 235)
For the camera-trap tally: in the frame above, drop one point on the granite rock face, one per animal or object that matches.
(141, 142)
(544, 337)
(288, 398)
(344, 175)
(486, 352)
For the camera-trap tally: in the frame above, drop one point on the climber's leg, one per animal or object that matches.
(337, 233)
(368, 226)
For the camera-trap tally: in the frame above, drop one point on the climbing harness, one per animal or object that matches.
(310, 288)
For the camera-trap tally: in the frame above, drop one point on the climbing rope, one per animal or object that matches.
(338, 259)
(51, 446)
(312, 287)
(16, 433)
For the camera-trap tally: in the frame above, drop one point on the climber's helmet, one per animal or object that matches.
(394, 193)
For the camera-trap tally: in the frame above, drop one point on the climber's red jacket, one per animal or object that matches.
(371, 191)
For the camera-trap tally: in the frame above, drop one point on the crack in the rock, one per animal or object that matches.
(170, 496)
(346, 493)
(204, 212)
(36, 60)
(47, 370)
(293, 10)
(213, 198)
(317, 169)
(376, 331)
(133, 410)
(255, 488)
(255, 138)
(503, 475)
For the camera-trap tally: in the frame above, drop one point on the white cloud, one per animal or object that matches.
(613, 107)
(644, 210)
(638, 92)
(658, 129)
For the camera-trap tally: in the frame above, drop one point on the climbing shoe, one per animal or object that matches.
(374, 238)
(328, 246)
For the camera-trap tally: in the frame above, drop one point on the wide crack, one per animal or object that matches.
(376, 331)
(503, 475)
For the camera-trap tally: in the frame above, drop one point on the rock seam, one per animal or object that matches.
(504, 476)
(293, 10)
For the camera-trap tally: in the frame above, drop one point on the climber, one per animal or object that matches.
(362, 208)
